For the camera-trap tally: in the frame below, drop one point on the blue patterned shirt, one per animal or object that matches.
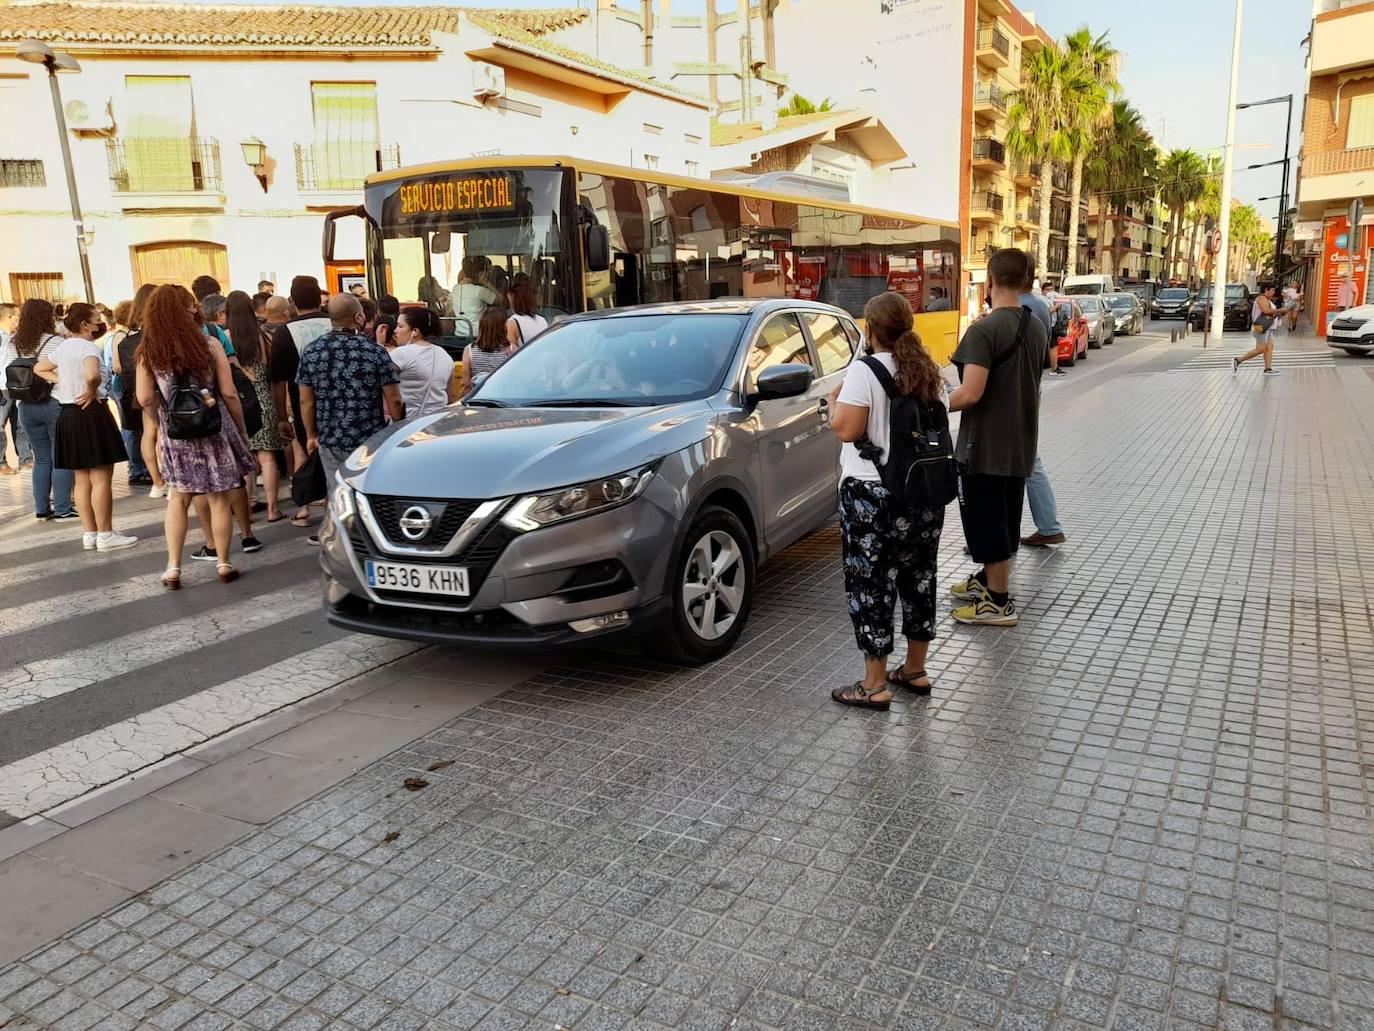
(347, 372)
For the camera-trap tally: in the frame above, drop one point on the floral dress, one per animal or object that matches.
(267, 438)
(206, 465)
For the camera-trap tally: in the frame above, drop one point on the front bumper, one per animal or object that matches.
(527, 588)
(1168, 313)
(1363, 343)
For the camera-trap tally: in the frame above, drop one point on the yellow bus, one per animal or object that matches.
(590, 235)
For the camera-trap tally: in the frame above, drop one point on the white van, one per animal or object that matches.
(1094, 284)
(1353, 330)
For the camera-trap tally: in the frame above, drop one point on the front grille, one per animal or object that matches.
(1347, 324)
(448, 517)
(478, 557)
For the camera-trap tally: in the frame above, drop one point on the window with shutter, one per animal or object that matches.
(346, 134)
(1360, 131)
(158, 150)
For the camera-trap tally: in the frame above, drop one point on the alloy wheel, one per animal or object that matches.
(713, 585)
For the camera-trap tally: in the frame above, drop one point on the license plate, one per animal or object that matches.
(400, 576)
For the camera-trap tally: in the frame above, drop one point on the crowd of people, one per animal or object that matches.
(221, 397)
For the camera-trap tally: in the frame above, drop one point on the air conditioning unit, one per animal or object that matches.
(78, 114)
(488, 80)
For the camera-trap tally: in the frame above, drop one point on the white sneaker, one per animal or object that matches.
(88, 541)
(157, 492)
(114, 540)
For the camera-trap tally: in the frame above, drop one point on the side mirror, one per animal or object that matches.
(327, 243)
(598, 248)
(778, 381)
(439, 242)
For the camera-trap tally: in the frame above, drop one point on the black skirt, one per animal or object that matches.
(87, 438)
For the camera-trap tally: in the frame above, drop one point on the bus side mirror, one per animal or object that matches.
(440, 242)
(598, 248)
(327, 245)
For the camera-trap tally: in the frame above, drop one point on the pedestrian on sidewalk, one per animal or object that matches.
(87, 440)
(525, 322)
(344, 380)
(135, 419)
(1292, 302)
(33, 339)
(9, 406)
(289, 342)
(488, 352)
(176, 358)
(253, 345)
(426, 370)
(1263, 314)
(1039, 493)
(1000, 360)
(889, 551)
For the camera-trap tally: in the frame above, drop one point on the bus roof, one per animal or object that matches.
(648, 175)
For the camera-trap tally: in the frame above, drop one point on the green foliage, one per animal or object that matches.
(800, 105)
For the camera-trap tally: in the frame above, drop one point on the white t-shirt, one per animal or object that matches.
(530, 327)
(426, 370)
(69, 356)
(470, 300)
(862, 390)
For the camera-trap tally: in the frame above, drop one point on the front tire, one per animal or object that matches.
(712, 587)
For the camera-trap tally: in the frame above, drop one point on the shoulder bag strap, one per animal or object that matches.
(881, 374)
(1020, 341)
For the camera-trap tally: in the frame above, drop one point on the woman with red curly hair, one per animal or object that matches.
(175, 358)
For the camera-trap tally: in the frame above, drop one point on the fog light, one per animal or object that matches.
(586, 626)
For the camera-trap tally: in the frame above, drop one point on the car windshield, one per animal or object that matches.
(634, 360)
(1173, 295)
(1083, 288)
(1234, 292)
(1090, 305)
(1123, 301)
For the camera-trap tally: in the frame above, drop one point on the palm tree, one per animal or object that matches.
(1181, 178)
(1039, 120)
(1093, 84)
(800, 105)
(1121, 170)
(1207, 205)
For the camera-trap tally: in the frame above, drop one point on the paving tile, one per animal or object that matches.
(122, 792)
(347, 739)
(43, 900)
(423, 698)
(253, 786)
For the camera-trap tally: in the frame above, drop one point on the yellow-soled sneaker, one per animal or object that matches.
(970, 589)
(985, 612)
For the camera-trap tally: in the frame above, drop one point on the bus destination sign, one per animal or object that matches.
(489, 192)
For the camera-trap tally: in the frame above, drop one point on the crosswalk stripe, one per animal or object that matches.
(38, 782)
(74, 670)
(54, 568)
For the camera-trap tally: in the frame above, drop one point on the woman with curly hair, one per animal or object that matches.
(889, 552)
(176, 356)
(34, 338)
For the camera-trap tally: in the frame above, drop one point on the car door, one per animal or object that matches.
(795, 451)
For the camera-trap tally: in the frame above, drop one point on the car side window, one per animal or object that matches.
(779, 342)
(833, 349)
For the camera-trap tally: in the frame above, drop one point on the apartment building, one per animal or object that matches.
(1127, 239)
(1336, 165)
(172, 100)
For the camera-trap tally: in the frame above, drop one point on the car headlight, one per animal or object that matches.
(536, 510)
(341, 502)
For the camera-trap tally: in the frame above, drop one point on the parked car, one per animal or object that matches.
(626, 471)
(1089, 284)
(1128, 311)
(1353, 330)
(1237, 314)
(1171, 303)
(1101, 321)
(1071, 332)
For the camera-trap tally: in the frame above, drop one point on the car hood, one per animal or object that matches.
(1360, 313)
(465, 452)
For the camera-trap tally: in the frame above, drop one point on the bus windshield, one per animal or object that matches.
(453, 241)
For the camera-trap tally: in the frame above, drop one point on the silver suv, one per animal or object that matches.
(627, 470)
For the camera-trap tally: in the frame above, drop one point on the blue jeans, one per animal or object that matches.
(1040, 497)
(52, 488)
(9, 416)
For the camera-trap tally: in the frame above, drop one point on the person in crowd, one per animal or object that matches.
(1292, 304)
(213, 307)
(889, 551)
(425, 369)
(358, 290)
(344, 380)
(122, 393)
(470, 296)
(488, 352)
(324, 299)
(289, 342)
(87, 440)
(266, 286)
(174, 349)
(497, 279)
(205, 289)
(136, 420)
(384, 331)
(9, 407)
(260, 300)
(939, 300)
(1039, 492)
(33, 338)
(253, 345)
(369, 315)
(1000, 360)
(525, 322)
(1263, 314)
(388, 305)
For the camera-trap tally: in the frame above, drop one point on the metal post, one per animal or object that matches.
(1283, 194)
(1227, 170)
(71, 182)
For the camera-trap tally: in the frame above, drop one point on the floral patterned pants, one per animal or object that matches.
(888, 554)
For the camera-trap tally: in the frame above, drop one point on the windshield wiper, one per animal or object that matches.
(581, 402)
(486, 402)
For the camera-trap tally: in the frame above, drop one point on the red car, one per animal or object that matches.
(1071, 329)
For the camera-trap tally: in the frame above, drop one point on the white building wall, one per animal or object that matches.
(424, 105)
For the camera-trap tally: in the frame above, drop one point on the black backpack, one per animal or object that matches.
(248, 400)
(920, 471)
(22, 383)
(189, 413)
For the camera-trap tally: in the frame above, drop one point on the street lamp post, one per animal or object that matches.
(1227, 170)
(1283, 189)
(35, 51)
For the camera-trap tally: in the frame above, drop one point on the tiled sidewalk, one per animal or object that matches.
(1146, 807)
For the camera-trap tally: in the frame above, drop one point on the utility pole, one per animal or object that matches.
(1227, 170)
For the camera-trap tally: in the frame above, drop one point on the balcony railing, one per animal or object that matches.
(143, 164)
(986, 200)
(1024, 169)
(990, 38)
(342, 165)
(985, 148)
(990, 93)
(1030, 214)
(1330, 162)
(1059, 179)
